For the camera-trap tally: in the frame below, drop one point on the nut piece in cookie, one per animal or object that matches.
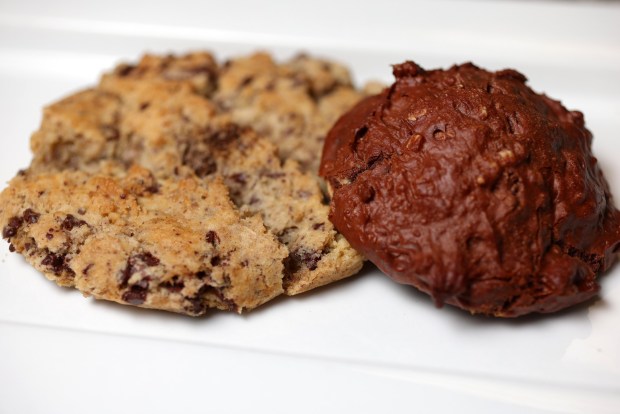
(473, 188)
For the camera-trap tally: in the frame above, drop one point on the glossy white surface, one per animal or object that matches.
(363, 345)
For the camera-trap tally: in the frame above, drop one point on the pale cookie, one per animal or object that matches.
(176, 133)
(77, 132)
(160, 115)
(289, 201)
(177, 245)
(294, 104)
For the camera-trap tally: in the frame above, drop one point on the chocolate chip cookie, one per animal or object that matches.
(166, 119)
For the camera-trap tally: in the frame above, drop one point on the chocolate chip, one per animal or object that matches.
(202, 164)
(197, 304)
(212, 238)
(232, 306)
(173, 285)
(296, 259)
(221, 138)
(137, 263)
(240, 178)
(68, 271)
(144, 105)
(49, 236)
(11, 248)
(203, 274)
(31, 216)
(292, 264)
(197, 151)
(148, 259)
(87, 268)
(246, 81)
(153, 189)
(70, 222)
(124, 70)
(12, 227)
(216, 260)
(311, 260)
(55, 261)
(135, 295)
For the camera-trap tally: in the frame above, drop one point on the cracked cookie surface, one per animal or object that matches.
(475, 189)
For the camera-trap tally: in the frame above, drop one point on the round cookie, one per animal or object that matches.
(473, 188)
(160, 117)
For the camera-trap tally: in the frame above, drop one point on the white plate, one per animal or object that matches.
(365, 344)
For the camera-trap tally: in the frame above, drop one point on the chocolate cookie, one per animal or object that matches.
(473, 188)
(161, 115)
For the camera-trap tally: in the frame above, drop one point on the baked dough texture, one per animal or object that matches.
(182, 184)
